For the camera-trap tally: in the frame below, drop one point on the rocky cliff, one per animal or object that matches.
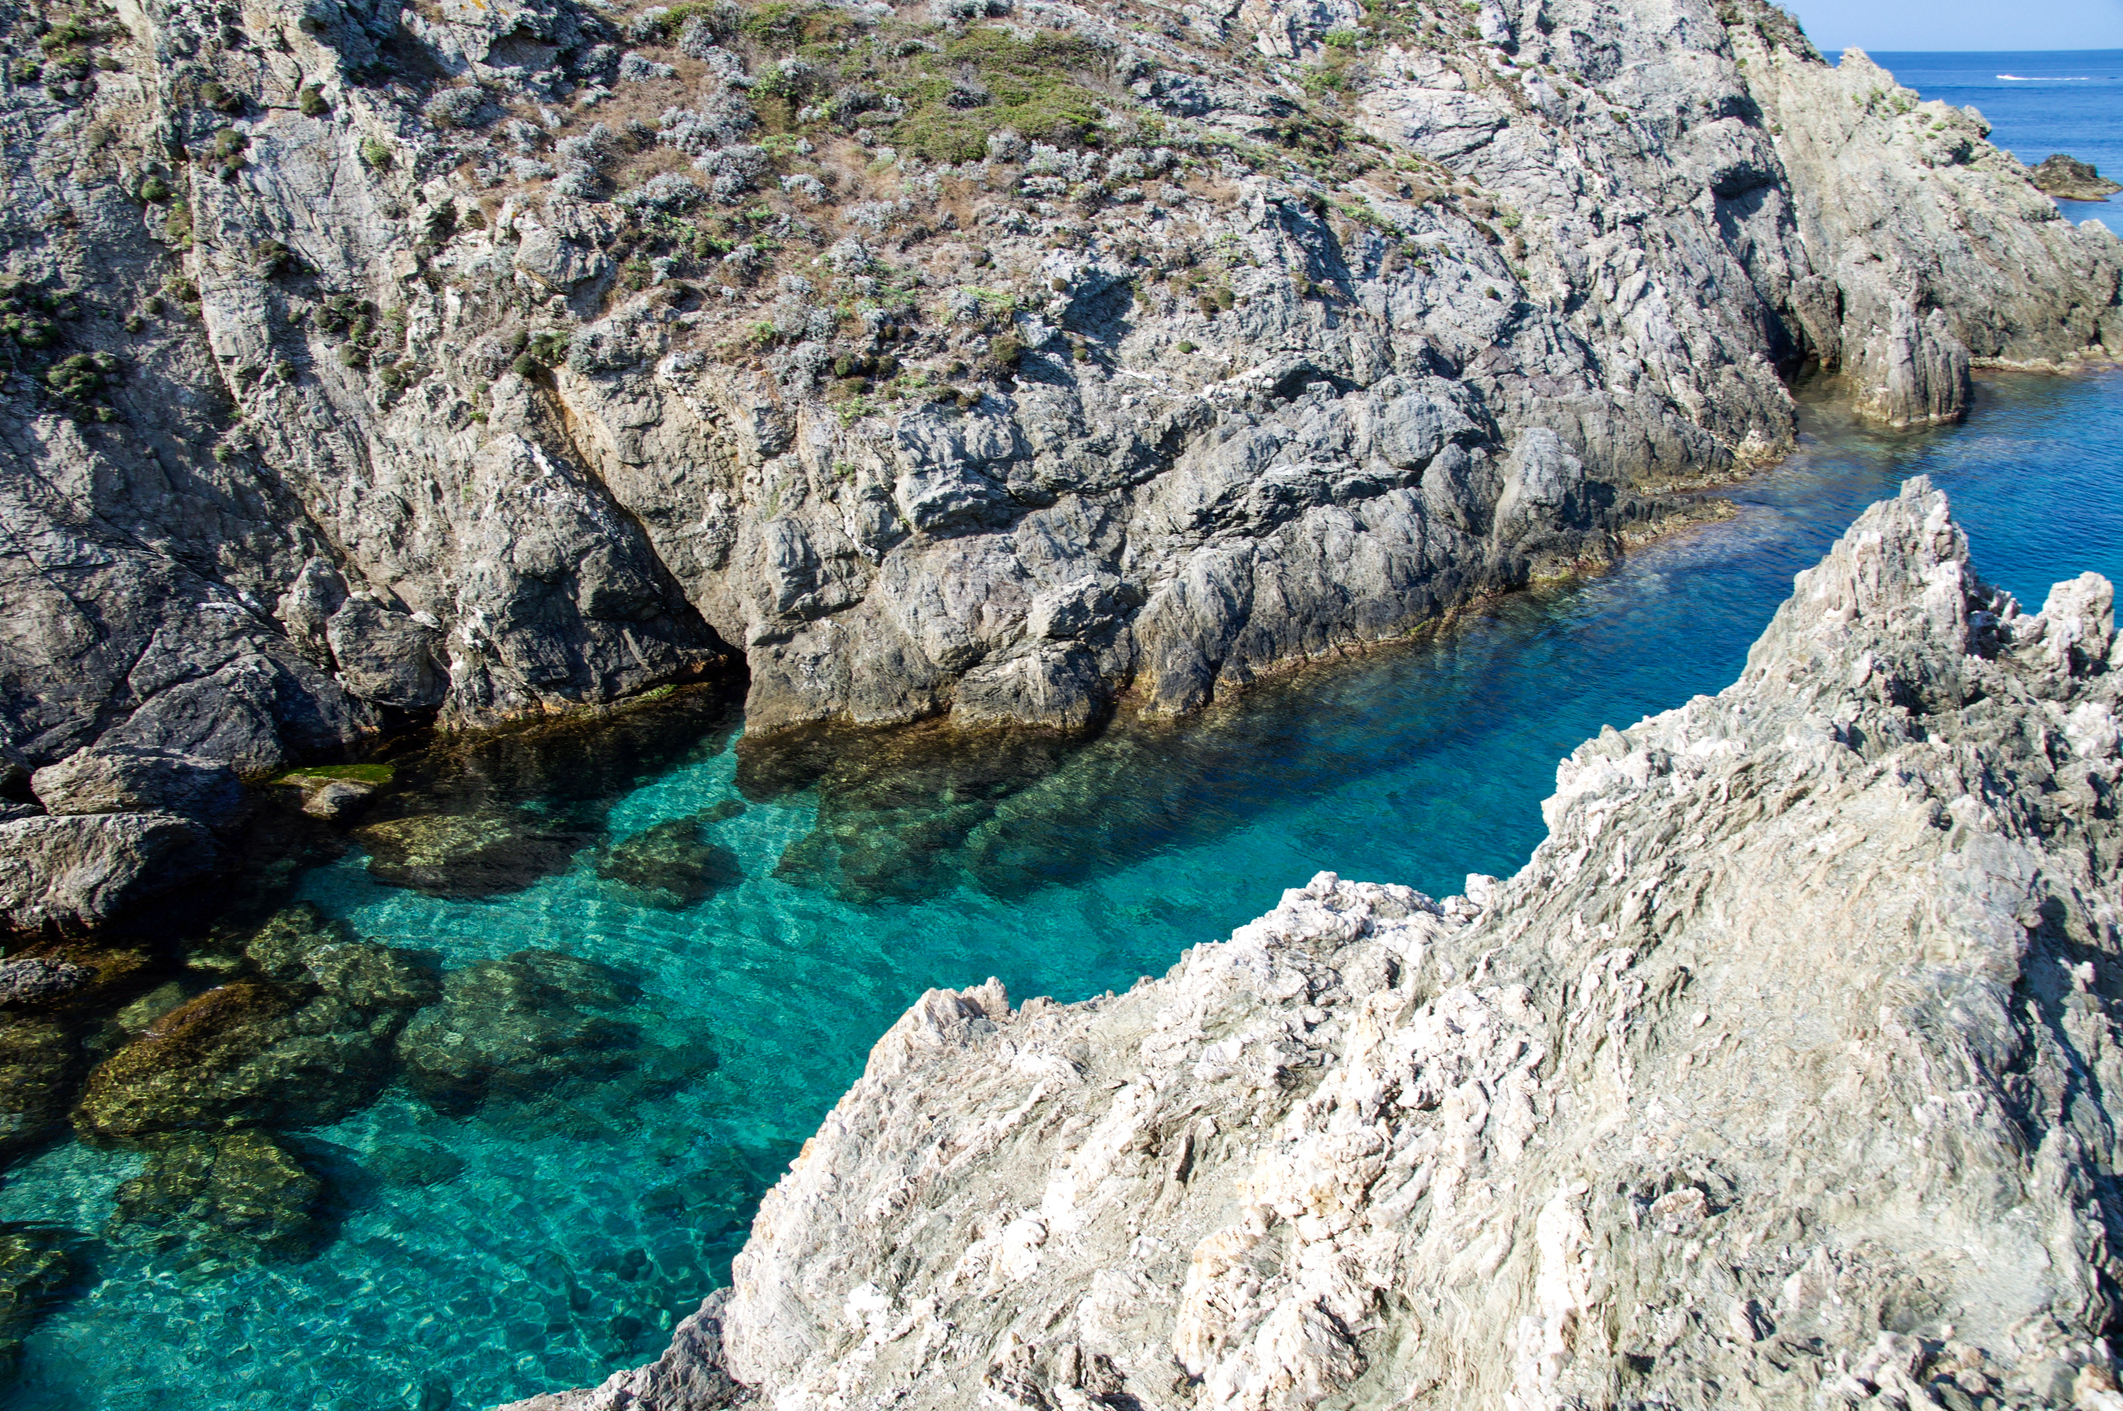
(375, 363)
(1777, 1077)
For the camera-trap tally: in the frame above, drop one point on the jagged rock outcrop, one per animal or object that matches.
(2073, 180)
(374, 366)
(1778, 1076)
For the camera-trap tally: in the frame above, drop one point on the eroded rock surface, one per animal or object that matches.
(1778, 1076)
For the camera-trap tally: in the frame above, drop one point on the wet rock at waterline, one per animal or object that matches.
(244, 1193)
(33, 979)
(70, 873)
(671, 865)
(476, 854)
(36, 1267)
(301, 1051)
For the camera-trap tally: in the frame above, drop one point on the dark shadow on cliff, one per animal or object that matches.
(492, 813)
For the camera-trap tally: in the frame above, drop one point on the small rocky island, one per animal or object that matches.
(1778, 1076)
(2072, 180)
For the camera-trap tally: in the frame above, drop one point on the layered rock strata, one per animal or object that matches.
(376, 364)
(1778, 1076)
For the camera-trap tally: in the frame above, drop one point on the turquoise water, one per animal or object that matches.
(569, 1240)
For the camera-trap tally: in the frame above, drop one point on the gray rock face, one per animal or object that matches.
(349, 403)
(1779, 1075)
(80, 871)
(105, 779)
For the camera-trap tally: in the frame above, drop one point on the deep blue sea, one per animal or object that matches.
(536, 1253)
(2038, 103)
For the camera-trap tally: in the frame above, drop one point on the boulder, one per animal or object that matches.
(530, 1026)
(2073, 180)
(479, 853)
(128, 779)
(32, 979)
(82, 870)
(307, 1045)
(670, 865)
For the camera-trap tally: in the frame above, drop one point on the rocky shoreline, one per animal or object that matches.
(375, 367)
(1779, 1073)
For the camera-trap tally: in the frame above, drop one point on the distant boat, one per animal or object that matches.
(2042, 78)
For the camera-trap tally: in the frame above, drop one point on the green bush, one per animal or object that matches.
(80, 376)
(154, 190)
(311, 101)
(376, 154)
(527, 367)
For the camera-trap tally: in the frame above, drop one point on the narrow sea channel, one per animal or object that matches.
(548, 1238)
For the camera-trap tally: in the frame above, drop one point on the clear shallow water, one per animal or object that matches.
(564, 1249)
(2037, 103)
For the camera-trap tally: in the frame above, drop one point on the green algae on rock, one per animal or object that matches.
(242, 1193)
(670, 865)
(309, 1044)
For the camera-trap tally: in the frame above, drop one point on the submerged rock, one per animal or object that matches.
(670, 865)
(2073, 180)
(894, 809)
(307, 1046)
(35, 1269)
(41, 1064)
(410, 1164)
(240, 1192)
(479, 854)
(529, 1027)
(1780, 1075)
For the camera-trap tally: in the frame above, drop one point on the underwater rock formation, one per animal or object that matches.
(531, 1027)
(670, 865)
(243, 1193)
(1779, 1075)
(379, 365)
(477, 854)
(306, 1042)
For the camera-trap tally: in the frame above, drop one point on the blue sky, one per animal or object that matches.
(1835, 25)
